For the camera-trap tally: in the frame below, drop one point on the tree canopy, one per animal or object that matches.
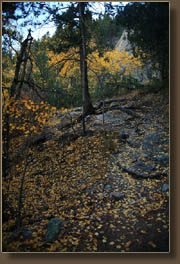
(147, 24)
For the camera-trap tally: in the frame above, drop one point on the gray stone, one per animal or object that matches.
(105, 194)
(77, 109)
(165, 187)
(123, 44)
(153, 145)
(112, 117)
(114, 104)
(144, 167)
(123, 135)
(100, 117)
(142, 75)
(117, 196)
(53, 229)
(108, 187)
(87, 118)
(151, 139)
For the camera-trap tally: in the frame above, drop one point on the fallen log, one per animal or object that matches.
(107, 102)
(123, 109)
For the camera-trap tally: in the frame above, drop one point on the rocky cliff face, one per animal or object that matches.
(123, 43)
(144, 75)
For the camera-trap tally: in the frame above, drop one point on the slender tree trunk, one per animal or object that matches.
(15, 91)
(22, 57)
(87, 105)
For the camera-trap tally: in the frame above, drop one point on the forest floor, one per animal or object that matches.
(108, 192)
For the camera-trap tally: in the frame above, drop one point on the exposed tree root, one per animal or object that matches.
(142, 176)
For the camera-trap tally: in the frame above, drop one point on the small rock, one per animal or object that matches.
(108, 187)
(113, 104)
(77, 109)
(165, 187)
(105, 194)
(53, 229)
(117, 196)
(123, 135)
(101, 232)
(87, 118)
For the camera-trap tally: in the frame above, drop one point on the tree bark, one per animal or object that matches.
(15, 90)
(87, 105)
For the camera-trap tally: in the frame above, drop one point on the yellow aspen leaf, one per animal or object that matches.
(116, 216)
(118, 246)
(128, 244)
(143, 232)
(90, 234)
(152, 244)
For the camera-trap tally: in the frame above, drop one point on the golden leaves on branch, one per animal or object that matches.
(25, 115)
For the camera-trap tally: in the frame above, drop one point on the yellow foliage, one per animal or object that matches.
(112, 62)
(27, 117)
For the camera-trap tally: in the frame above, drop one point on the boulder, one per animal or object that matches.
(142, 75)
(53, 228)
(78, 109)
(112, 117)
(114, 104)
(143, 167)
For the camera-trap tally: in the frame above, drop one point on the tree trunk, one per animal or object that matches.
(87, 105)
(22, 58)
(15, 91)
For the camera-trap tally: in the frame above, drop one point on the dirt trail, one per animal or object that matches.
(103, 207)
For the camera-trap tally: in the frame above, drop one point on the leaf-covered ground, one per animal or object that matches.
(77, 183)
